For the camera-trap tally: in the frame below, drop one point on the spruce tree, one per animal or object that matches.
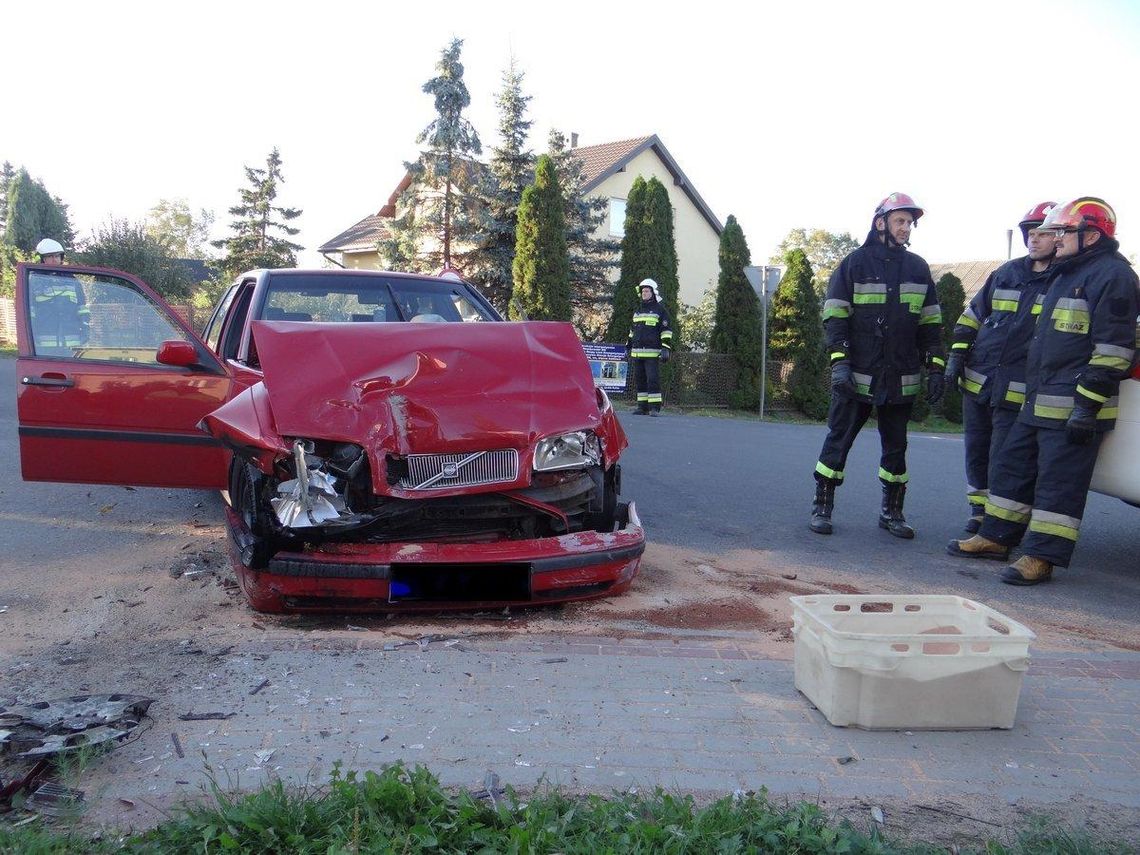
(796, 335)
(443, 208)
(510, 171)
(634, 264)
(952, 299)
(33, 214)
(541, 264)
(259, 225)
(737, 324)
(592, 258)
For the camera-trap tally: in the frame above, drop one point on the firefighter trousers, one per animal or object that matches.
(846, 418)
(986, 428)
(1039, 485)
(647, 377)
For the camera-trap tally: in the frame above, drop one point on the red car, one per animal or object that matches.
(387, 441)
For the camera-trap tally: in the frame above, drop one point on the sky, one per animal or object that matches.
(786, 115)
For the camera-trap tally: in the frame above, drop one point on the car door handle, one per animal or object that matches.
(55, 381)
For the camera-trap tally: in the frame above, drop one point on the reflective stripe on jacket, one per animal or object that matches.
(650, 331)
(882, 314)
(995, 330)
(1085, 338)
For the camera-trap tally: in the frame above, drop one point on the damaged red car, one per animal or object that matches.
(386, 441)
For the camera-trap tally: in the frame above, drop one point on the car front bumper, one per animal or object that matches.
(434, 576)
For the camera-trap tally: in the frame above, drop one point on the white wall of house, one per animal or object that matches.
(697, 242)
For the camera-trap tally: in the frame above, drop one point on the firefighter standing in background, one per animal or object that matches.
(987, 356)
(60, 315)
(648, 347)
(1082, 348)
(50, 252)
(882, 321)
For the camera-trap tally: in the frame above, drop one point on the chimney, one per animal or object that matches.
(573, 139)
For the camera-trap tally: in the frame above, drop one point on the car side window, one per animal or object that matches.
(213, 332)
(235, 323)
(95, 317)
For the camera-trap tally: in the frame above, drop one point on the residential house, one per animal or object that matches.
(609, 171)
(973, 274)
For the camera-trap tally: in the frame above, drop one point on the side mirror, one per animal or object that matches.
(178, 353)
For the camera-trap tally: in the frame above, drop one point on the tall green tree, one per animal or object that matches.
(635, 264)
(261, 228)
(541, 264)
(33, 214)
(737, 321)
(509, 172)
(697, 321)
(7, 174)
(592, 258)
(647, 251)
(824, 250)
(952, 299)
(128, 246)
(796, 335)
(441, 215)
(183, 233)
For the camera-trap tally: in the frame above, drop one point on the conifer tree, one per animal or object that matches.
(592, 258)
(33, 214)
(661, 250)
(7, 173)
(541, 264)
(737, 324)
(510, 171)
(796, 335)
(634, 264)
(443, 209)
(259, 226)
(952, 299)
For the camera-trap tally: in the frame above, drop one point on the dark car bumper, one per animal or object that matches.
(433, 576)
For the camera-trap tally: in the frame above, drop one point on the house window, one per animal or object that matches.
(617, 217)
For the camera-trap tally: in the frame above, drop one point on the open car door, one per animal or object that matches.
(111, 383)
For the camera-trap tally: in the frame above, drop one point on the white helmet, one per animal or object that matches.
(649, 283)
(47, 246)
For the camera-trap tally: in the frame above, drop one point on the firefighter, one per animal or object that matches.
(1083, 345)
(882, 322)
(50, 252)
(987, 355)
(648, 347)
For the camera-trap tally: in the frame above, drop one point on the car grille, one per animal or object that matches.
(445, 471)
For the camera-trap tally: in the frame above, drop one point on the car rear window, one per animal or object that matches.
(337, 298)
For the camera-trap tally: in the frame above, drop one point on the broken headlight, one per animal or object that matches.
(316, 495)
(575, 450)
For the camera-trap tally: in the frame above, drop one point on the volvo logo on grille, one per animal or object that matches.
(450, 470)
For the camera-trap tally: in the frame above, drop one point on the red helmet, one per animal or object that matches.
(1035, 216)
(899, 202)
(1083, 213)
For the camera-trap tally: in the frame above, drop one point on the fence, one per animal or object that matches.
(699, 380)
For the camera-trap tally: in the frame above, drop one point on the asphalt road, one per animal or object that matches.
(727, 484)
(705, 484)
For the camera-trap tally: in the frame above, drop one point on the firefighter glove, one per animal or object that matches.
(842, 383)
(1081, 426)
(664, 355)
(954, 366)
(935, 387)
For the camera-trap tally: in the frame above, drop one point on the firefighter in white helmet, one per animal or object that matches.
(50, 251)
(649, 344)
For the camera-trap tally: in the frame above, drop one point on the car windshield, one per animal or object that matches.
(336, 298)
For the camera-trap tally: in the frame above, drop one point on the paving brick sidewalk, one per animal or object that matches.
(603, 714)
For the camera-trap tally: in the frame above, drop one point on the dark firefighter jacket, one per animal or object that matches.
(882, 314)
(650, 331)
(1085, 338)
(995, 330)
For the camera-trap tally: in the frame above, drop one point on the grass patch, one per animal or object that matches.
(406, 810)
(7, 350)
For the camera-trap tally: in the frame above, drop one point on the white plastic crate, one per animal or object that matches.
(934, 662)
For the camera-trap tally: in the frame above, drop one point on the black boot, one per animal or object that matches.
(891, 518)
(821, 507)
(974, 523)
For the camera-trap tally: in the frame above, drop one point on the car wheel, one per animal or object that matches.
(244, 481)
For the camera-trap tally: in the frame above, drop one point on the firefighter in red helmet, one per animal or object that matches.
(1083, 346)
(988, 351)
(882, 324)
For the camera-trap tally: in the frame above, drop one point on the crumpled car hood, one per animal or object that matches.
(414, 388)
